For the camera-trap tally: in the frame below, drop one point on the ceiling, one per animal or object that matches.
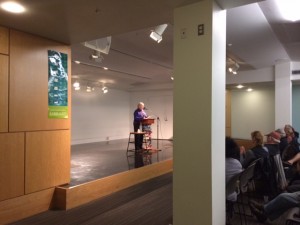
(258, 37)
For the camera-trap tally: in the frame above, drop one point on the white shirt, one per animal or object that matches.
(233, 167)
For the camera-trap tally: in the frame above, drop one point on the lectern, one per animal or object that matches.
(148, 121)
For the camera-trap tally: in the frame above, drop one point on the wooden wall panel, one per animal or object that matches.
(47, 159)
(28, 109)
(27, 205)
(248, 144)
(11, 165)
(4, 40)
(3, 93)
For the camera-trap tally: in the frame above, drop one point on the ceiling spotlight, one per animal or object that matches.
(104, 90)
(77, 88)
(105, 68)
(76, 84)
(88, 89)
(156, 34)
(77, 62)
(249, 89)
(96, 56)
(240, 86)
(13, 7)
(233, 66)
(172, 78)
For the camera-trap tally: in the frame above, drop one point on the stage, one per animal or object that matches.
(97, 160)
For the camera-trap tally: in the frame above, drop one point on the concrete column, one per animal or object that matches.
(283, 95)
(199, 114)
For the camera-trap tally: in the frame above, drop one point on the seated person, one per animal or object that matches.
(291, 153)
(292, 136)
(273, 141)
(275, 208)
(289, 129)
(283, 140)
(258, 151)
(233, 165)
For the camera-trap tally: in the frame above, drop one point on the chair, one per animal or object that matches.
(131, 140)
(246, 179)
(232, 186)
(293, 217)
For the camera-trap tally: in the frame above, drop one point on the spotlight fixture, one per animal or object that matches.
(96, 56)
(240, 86)
(233, 66)
(88, 89)
(105, 68)
(156, 34)
(104, 90)
(249, 89)
(76, 84)
(12, 7)
(172, 78)
(77, 88)
(77, 62)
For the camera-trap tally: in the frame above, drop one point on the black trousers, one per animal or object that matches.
(138, 138)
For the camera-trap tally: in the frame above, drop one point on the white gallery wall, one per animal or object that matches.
(159, 104)
(252, 111)
(296, 107)
(100, 117)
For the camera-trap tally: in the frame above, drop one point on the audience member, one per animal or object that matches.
(283, 140)
(275, 208)
(258, 151)
(233, 165)
(273, 141)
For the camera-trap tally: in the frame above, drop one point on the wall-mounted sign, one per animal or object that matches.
(57, 85)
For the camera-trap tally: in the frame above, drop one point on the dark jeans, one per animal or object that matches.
(281, 204)
(138, 138)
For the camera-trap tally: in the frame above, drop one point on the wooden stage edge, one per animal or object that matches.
(68, 198)
(18, 208)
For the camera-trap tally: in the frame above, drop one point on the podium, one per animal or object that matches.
(148, 121)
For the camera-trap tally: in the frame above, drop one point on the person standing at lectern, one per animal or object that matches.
(139, 114)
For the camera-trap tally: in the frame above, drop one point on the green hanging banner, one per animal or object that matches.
(57, 85)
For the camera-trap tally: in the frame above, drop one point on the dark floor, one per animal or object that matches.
(148, 203)
(97, 160)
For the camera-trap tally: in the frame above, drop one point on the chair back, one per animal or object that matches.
(247, 175)
(233, 184)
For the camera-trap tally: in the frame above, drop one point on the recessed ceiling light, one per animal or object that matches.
(77, 62)
(249, 89)
(76, 84)
(172, 78)
(240, 86)
(13, 7)
(105, 68)
(289, 9)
